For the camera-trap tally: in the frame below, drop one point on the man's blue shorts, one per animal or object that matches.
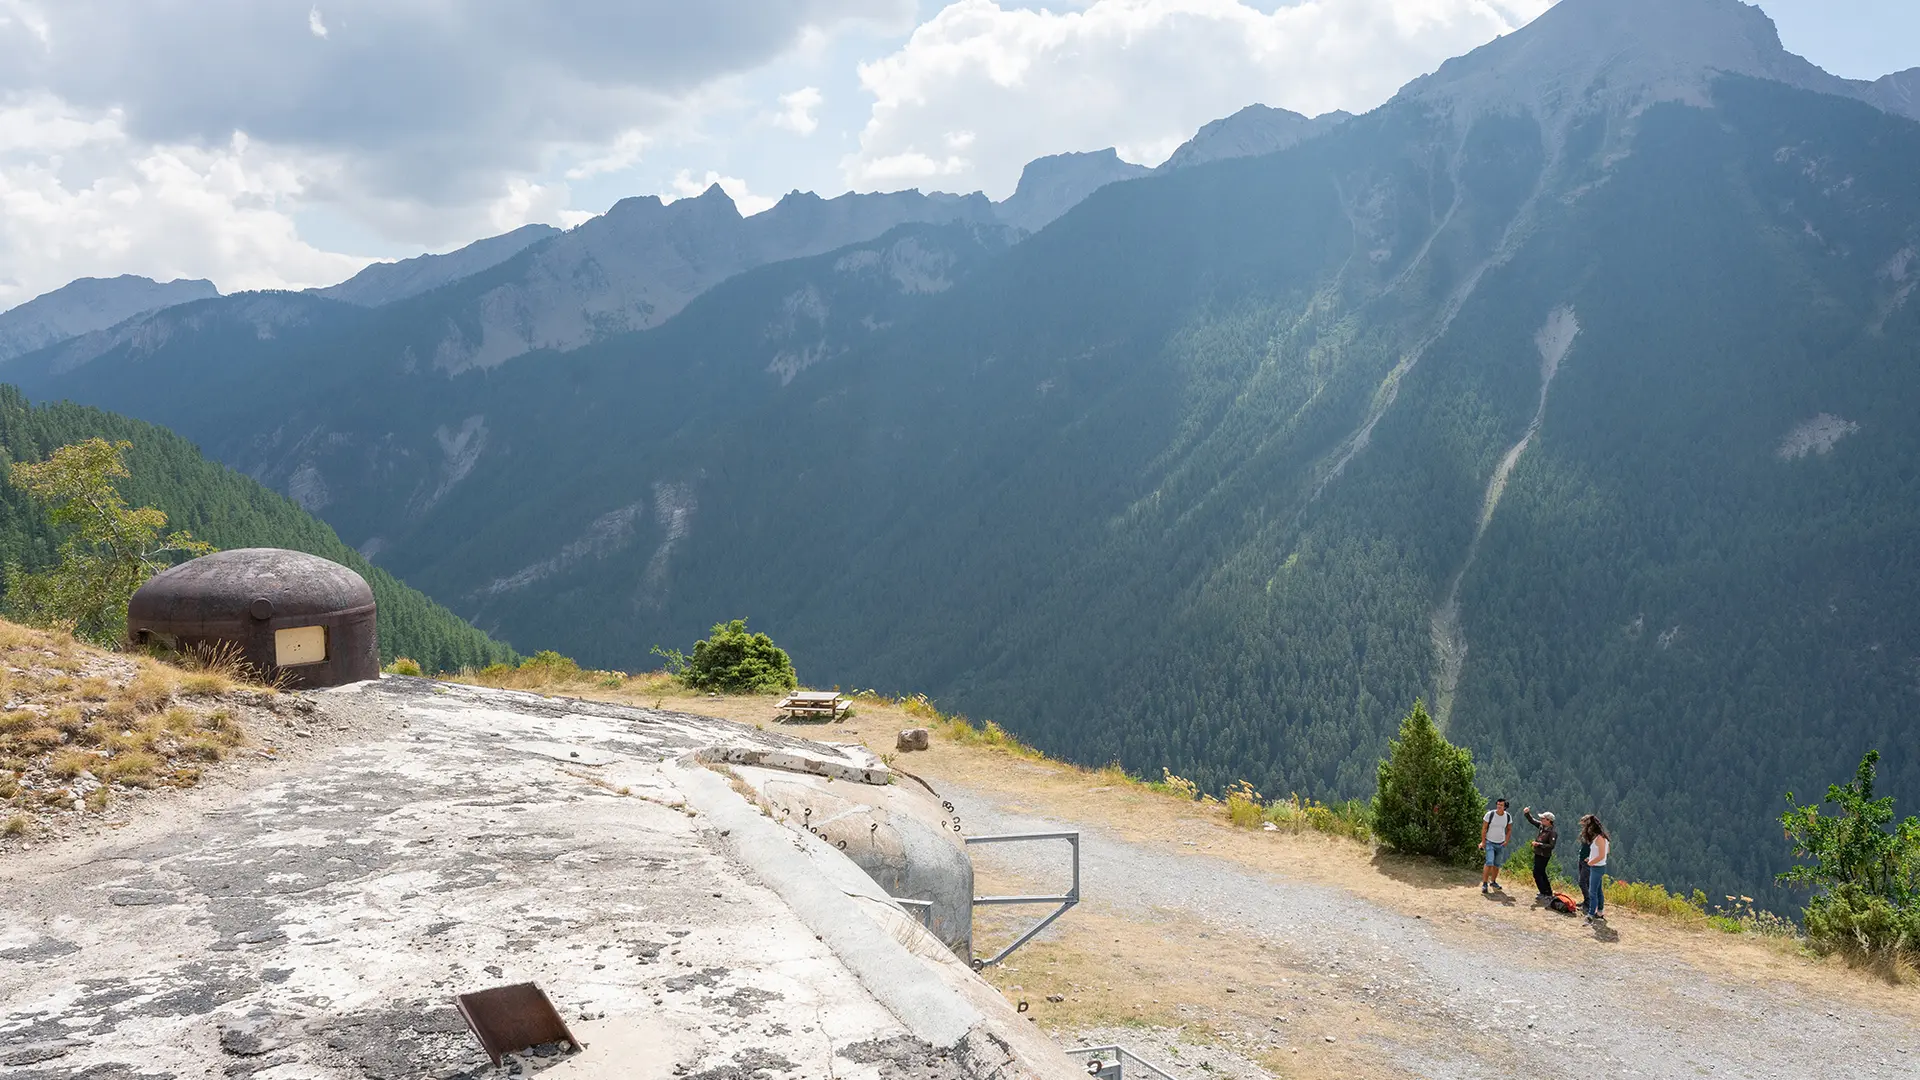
(1496, 854)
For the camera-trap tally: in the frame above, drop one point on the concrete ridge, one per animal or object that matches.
(825, 890)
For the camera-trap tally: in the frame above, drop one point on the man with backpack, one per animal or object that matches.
(1496, 831)
(1543, 845)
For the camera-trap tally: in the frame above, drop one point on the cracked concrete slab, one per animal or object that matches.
(318, 923)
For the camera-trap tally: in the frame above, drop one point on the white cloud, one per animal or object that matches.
(421, 126)
(622, 155)
(748, 203)
(101, 203)
(24, 15)
(911, 167)
(796, 110)
(1139, 75)
(526, 202)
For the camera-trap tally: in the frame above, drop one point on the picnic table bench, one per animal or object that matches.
(825, 703)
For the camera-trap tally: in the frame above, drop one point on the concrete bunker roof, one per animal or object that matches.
(226, 584)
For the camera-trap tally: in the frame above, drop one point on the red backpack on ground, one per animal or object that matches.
(1563, 904)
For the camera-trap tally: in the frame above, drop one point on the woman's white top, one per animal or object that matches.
(1602, 847)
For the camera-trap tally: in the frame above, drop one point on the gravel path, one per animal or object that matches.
(1493, 1008)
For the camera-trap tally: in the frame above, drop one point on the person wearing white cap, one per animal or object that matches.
(1543, 845)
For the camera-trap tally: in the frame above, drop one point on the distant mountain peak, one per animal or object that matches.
(88, 304)
(1052, 185)
(1623, 53)
(1254, 130)
(386, 282)
(715, 194)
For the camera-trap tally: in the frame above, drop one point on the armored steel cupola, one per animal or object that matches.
(297, 618)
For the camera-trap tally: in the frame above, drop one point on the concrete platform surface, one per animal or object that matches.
(318, 923)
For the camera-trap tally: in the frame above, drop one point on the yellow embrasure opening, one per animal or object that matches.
(299, 645)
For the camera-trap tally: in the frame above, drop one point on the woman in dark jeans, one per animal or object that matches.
(1543, 845)
(1586, 849)
(1599, 848)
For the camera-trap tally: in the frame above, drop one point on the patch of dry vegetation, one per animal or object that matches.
(551, 673)
(78, 725)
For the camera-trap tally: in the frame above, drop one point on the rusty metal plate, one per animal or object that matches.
(507, 1019)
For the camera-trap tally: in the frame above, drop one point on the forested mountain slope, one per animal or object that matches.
(1572, 390)
(1588, 419)
(222, 507)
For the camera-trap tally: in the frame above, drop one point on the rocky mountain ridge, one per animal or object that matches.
(90, 304)
(1254, 130)
(386, 282)
(1050, 186)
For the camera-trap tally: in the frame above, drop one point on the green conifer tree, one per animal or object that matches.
(1427, 803)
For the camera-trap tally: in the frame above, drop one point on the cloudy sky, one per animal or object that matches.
(267, 143)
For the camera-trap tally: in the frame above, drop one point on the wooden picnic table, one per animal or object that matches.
(825, 703)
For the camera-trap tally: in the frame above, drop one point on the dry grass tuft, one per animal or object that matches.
(15, 825)
(69, 764)
(83, 722)
(205, 684)
(134, 768)
(546, 673)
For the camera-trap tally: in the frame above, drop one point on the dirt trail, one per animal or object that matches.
(1447, 984)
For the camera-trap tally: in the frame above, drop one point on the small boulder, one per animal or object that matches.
(911, 739)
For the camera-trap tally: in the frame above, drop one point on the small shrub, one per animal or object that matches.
(1427, 803)
(97, 799)
(733, 661)
(990, 735)
(551, 666)
(1351, 819)
(918, 706)
(1865, 866)
(1652, 898)
(1243, 806)
(403, 665)
(110, 549)
(1178, 786)
(15, 825)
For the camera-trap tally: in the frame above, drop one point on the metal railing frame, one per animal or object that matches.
(1065, 900)
(1121, 1057)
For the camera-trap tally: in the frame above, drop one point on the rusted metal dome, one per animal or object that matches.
(298, 618)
